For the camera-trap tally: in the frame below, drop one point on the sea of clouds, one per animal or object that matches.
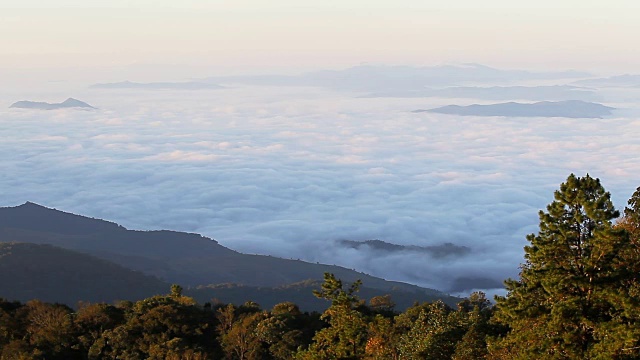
(287, 171)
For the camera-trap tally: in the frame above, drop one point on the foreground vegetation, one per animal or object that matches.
(577, 297)
(173, 326)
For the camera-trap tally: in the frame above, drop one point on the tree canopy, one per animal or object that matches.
(570, 301)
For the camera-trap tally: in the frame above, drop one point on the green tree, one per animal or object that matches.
(561, 307)
(434, 333)
(50, 330)
(225, 315)
(332, 289)
(478, 311)
(382, 339)
(383, 305)
(624, 333)
(280, 331)
(92, 320)
(242, 341)
(176, 290)
(346, 335)
(160, 327)
(13, 332)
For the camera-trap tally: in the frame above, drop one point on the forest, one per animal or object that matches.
(577, 297)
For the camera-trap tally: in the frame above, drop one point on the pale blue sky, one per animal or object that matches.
(287, 34)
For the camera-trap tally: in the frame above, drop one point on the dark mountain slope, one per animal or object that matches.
(52, 274)
(175, 257)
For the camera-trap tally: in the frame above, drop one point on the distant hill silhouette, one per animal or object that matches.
(440, 250)
(568, 109)
(67, 104)
(175, 257)
(191, 85)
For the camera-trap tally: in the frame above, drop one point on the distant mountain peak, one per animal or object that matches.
(75, 102)
(42, 218)
(30, 204)
(67, 104)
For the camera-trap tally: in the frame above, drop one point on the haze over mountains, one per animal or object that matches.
(191, 85)
(397, 81)
(404, 78)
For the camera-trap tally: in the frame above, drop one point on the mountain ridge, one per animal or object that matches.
(173, 257)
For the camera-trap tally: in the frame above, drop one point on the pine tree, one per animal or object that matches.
(624, 332)
(477, 310)
(346, 334)
(561, 307)
(434, 334)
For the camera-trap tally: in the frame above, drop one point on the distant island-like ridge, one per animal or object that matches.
(67, 104)
(440, 250)
(567, 109)
(626, 80)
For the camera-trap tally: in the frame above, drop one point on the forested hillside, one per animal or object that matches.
(174, 326)
(49, 273)
(56, 275)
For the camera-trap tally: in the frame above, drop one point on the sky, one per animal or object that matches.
(289, 170)
(287, 36)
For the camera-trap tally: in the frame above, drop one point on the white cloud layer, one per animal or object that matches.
(285, 171)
